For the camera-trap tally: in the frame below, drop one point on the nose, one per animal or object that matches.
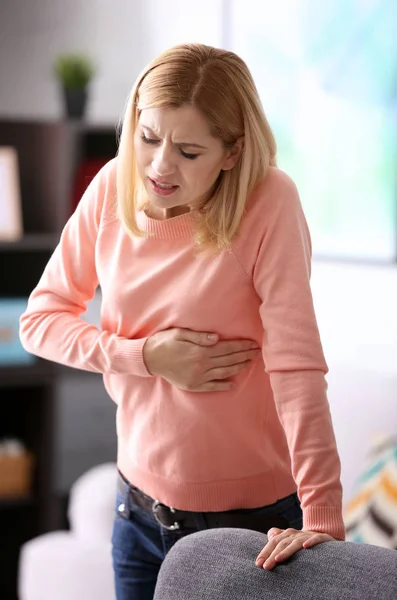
(163, 163)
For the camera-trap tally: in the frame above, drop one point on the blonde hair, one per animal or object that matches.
(219, 84)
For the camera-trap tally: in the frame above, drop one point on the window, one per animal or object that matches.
(327, 75)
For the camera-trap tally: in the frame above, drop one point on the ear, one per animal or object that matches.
(233, 154)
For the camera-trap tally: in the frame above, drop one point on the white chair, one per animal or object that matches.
(75, 564)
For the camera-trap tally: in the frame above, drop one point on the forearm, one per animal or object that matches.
(65, 338)
(303, 409)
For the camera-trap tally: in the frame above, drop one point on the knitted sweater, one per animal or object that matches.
(209, 451)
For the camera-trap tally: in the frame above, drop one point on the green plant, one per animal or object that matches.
(74, 71)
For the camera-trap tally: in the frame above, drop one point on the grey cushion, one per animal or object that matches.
(219, 564)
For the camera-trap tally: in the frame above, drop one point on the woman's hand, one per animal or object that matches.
(195, 361)
(283, 544)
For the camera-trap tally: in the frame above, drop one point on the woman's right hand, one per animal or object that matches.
(196, 361)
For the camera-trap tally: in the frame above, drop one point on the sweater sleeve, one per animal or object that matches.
(51, 326)
(293, 353)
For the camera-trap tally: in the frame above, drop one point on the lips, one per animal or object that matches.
(163, 188)
(163, 184)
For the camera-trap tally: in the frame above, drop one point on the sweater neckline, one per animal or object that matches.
(181, 226)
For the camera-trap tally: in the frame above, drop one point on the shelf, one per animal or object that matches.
(31, 393)
(41, 372)
(15, 503)
(78, 124)
(38, 373)
(32, 242)
(98, 127)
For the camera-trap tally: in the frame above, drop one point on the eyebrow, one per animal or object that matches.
(188, 144)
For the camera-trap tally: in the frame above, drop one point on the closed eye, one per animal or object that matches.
(189, 156)
(147, 140)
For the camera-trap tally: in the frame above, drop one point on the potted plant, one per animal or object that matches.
(74, 72)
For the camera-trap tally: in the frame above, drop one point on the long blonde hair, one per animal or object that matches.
(219, 84)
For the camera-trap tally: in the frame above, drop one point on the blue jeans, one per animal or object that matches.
(140, 544)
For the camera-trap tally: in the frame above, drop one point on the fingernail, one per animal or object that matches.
(212, 337)
(253, 346)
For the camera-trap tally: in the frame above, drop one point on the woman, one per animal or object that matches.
(208, 343)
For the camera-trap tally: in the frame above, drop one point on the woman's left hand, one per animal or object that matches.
(283, 543)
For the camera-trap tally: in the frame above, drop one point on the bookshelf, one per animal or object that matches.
(50, 155)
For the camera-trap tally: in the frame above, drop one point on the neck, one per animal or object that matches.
(161, 214)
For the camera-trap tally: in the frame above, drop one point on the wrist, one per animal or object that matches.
(127, 357)
(147, 356)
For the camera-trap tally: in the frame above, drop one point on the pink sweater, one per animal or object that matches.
(200, 451)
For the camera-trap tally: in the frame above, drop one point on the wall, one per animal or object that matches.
(356, 311)
(122, 36)
(33, 33)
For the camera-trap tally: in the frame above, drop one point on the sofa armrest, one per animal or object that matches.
(219, 564)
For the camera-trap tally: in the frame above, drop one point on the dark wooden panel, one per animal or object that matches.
(18, 524)
(47, 155)
(21, 271)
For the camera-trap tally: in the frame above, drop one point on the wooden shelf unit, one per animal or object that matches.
(49, 155)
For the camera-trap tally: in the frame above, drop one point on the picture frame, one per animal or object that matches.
(11, 227)
(12, 353)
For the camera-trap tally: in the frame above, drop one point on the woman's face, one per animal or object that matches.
(178, 159)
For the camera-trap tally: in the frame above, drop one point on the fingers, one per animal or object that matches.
(283, 544)
(226, 372)
(229, 360)
(318, 538)
(274, 531)
(284, 550)
(275, 536)
(208, 369)
(223, 348)
(197, 337)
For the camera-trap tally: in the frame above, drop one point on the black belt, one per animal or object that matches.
(173, 519)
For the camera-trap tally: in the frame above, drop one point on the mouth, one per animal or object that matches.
(163, 189)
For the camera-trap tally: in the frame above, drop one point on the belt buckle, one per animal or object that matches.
(155, 506)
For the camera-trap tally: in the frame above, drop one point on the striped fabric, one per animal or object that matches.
(371, 515)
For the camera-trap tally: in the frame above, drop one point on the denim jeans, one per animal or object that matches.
(140, 544)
